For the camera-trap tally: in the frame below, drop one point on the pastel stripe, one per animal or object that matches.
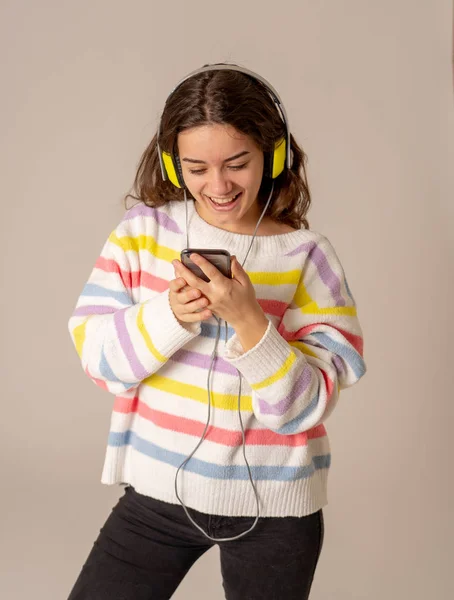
(88, 311)
(197, 393)
(106, 370)
(79, 337)
(282, 406)
(273, 307)
(144, 242)
(209, 330)
(127, 346)
(146, 336)
(349, 355)
(294, 425)
(280, 373)
(203, 361)
(131, 345)
(274, 278)
(214, 471)
(142, 210)
(99, 291)
(133, 279)
(325, 272)
(303, 347)
(218, 435)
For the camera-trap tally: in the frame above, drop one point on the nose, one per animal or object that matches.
(219, 184)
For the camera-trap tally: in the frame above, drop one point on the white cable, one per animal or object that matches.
(213, 356)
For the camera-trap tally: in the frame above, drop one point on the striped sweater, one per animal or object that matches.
(131, 345)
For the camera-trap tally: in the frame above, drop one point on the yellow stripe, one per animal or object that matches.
(274, 277)
(340, 311)
(79, 337)
(193, 392)
(146, 336)
(303, 347)
(278, 375)
(308, 306)
(144, 242)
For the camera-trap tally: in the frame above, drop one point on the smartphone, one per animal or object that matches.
(221, 259)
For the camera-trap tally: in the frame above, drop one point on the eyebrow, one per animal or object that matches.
(196, 161)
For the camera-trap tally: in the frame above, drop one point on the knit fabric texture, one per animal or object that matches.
(131, 344)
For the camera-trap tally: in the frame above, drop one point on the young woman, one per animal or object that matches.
(222, 383)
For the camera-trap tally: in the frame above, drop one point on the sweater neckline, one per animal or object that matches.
(205, 235)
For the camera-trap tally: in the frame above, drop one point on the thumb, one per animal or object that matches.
(237, 270)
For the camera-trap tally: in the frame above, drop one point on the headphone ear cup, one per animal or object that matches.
(267, 164)
(171, 169)
(178, 169)
(278, 158)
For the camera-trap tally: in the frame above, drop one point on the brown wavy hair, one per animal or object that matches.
(227, 98)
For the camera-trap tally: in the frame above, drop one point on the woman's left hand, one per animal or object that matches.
(233, 300)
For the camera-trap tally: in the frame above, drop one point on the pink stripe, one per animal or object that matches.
(291, 336)
(273, 307)
(102, 384)
(133, 279)
(254, 437)
(355, 340)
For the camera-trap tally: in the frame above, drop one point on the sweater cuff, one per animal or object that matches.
(170, 335)
(261, 361)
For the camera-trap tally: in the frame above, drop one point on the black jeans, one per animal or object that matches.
(146, 547)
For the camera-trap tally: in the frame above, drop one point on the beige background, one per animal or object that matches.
(368, 88)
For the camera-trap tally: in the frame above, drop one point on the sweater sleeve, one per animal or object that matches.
(297, 370)
(119, 342)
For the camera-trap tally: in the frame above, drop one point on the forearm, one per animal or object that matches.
(126, 346)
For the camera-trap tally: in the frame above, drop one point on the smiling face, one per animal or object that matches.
(222, 169)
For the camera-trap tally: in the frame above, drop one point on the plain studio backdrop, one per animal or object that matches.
(368, 89)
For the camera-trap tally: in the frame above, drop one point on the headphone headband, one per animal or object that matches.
(227, 67)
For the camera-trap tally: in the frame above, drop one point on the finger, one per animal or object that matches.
(189, 276)
(186, 296)
(176, 285)
(197, 316)
(208, 268)
(195, 305)
(238, 272)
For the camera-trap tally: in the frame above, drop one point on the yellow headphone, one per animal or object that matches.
(279, 159)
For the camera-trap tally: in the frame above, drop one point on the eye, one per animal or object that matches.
(197, 171)
(237, 167)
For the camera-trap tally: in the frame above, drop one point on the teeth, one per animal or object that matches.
(223, 200)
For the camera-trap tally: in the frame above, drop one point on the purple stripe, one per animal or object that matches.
(161, 218)
(195, 359)
(338, 363)
(127, 347)
(327, 275)
(84, 311)
(283, 405)
(298, 250)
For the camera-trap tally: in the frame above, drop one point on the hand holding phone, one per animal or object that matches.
(221, 259)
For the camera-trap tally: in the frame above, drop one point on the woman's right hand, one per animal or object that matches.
(185, 301)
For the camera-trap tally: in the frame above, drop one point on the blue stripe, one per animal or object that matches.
(293, 426)
(348, 354)
(210, 330)
(91, 289)
(348, 290)
(224, 472)
(106, 371)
